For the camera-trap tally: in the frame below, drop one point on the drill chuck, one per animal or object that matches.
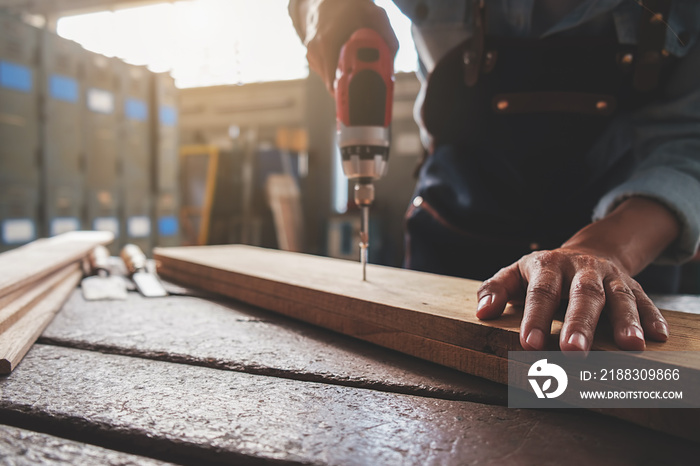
(364, 192)
(364, 151)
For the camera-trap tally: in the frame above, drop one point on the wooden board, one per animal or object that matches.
(200, 415)
(26, 264)
(16, 304)
(17, 339)
(472, 362)
(426, 306)
(431, 306)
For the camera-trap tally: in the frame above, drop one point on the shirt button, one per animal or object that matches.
(417, 201)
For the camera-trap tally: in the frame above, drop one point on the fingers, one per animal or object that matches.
(332, 26)
(586, 302)
(494, 293)
(653, 323)
(624, 316)
(542, 301)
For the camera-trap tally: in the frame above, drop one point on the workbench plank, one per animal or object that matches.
(235, 336)
(21, 447)
(26, 264)
(214, 415)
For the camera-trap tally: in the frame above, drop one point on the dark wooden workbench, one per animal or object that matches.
(191, 380)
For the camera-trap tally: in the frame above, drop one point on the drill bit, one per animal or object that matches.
(364, 241)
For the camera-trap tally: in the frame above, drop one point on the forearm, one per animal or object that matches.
(632, 236)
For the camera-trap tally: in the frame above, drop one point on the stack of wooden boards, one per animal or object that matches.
(425, 315)
(35, 281)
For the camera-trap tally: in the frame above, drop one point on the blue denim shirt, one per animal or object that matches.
(664, 136)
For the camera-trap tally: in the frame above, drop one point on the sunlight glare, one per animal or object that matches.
(211, 42)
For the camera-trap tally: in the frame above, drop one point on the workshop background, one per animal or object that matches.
(188, 122)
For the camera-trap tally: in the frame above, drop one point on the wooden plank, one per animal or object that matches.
(198, 414)
(472, 362)
(16, 340)
(234, 336)
(428, 306)
(16, 304)
(21, 447)
(431, 306)
(26, 264)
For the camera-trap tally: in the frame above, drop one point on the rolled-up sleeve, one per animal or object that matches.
(667, 149)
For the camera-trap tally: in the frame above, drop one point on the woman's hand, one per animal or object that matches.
(330, 23)
(593, 271)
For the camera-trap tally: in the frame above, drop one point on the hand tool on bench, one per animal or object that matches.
(146, 282)
(102, 285)
(364, 94)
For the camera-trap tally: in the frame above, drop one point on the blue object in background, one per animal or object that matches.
(16, 77)
(167, 115)
(63, 88)
(136, 109)
(167, 226)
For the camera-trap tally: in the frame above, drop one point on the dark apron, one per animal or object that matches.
(512, 170)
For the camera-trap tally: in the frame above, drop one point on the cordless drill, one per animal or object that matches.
(364, 91)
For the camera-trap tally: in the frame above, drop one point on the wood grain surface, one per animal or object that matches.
(431, 306)
(473, 362)
(18, 338)
(200, 415)
(14, 305)
(426, 306)
(26, 264)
